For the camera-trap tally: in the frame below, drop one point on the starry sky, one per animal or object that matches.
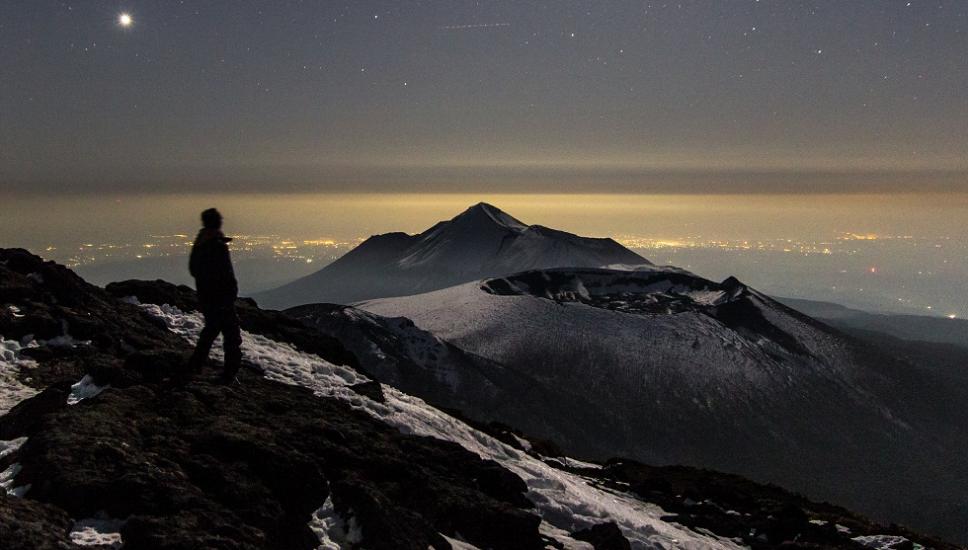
(490, 95)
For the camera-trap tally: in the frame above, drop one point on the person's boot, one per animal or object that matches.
(229, 378)
(233, 362)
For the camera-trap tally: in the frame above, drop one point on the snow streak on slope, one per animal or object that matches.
(12, 390)
(565, 501)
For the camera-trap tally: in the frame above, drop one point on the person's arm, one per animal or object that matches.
(226, 271)
(193, 262)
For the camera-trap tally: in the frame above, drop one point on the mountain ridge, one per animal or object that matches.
(482, 241)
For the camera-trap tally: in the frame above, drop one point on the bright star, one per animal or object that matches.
(125, 20)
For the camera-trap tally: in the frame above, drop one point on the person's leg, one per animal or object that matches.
(232, 343)
(205, 339)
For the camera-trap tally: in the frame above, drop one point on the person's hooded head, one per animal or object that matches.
(212, 219)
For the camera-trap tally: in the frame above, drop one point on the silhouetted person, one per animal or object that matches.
(217, 289)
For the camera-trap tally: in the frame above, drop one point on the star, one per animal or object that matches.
(125, 20)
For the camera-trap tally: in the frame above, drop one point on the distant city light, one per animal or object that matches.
(125, 20)
(952, 316)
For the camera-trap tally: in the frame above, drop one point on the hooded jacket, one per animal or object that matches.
(211, 266)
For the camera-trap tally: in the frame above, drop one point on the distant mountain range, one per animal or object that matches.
(939, 330)
(481, 242)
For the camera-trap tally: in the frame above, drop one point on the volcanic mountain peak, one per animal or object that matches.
(484, 214)
(483, 241)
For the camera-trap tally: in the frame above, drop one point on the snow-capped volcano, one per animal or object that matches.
(686, 370)
(483, 241)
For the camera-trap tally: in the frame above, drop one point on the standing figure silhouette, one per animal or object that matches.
(211, 266)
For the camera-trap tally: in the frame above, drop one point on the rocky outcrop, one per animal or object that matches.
(247, 466)
(604, 536)
(200, 465)
(26, 523)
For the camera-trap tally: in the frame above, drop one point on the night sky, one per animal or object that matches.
(457, 95)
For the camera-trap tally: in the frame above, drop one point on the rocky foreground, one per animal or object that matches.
(104, 439)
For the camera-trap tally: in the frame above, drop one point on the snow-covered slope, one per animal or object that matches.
(416, 361)
(710, 374)
(481, 242)
(565, 501)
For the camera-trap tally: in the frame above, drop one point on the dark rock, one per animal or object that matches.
(157, 365)
(378, 517)
(24, 418)
(372, 389)
(191, 530)
(255, 461)
(604, 536)
(56, 302)
(30, 525)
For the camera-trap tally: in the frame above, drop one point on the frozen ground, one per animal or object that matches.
(12, 390)
(100, 532)
(566, 502)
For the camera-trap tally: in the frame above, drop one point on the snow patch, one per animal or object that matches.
(578, 464)
(333, 531)
(7, 478)
(707, 297)
(524, 443)
(85, 388)
(457, 544)
(12, 390)
(100, 531)
(884, 542)
(11, 446)
(563, 537)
